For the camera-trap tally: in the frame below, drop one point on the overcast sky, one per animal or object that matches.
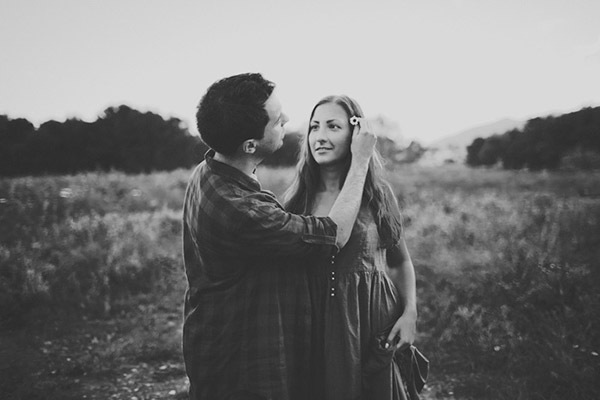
(434, 67)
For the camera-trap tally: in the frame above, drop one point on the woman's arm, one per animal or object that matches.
(345, 209)
(402, 273)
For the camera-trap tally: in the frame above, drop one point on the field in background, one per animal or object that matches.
(91, 282)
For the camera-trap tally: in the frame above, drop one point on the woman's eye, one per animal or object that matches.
(333, 127)
(312, 128)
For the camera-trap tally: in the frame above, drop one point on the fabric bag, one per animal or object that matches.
(414, 369)
(412, 366)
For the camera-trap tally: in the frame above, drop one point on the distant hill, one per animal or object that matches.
(566, 141)
(453, 148)
(466, 137)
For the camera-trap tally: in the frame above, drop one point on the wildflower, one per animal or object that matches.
(65, 193)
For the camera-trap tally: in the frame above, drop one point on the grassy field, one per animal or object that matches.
(91, 282)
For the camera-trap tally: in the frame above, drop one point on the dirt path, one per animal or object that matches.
(134, 357)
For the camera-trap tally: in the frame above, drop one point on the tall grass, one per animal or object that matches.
(508, 271)
(87, 242)
(506, 262)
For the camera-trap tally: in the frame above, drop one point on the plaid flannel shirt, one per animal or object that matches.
(247, 309)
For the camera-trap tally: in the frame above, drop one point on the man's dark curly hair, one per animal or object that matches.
(232, 111)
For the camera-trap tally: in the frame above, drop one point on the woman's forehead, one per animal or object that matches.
(329, 111)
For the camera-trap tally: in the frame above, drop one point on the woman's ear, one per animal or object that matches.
(249, 146)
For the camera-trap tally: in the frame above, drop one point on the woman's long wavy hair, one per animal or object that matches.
(377, 195)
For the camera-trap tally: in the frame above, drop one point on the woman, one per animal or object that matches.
(368, 290)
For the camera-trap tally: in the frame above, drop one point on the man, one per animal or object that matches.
(247, 314)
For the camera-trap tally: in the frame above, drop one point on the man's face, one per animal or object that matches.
(275, 128)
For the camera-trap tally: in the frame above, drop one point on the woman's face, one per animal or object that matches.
(329, 134)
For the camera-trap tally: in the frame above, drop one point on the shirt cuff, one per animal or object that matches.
(327, 235)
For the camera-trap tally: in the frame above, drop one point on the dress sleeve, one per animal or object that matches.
(396, 251)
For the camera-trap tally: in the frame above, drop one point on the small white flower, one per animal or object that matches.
(354, 120)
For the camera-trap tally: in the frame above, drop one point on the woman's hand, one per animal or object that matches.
(405, 328)
(363, 141)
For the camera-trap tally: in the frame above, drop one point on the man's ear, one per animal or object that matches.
(249, 146)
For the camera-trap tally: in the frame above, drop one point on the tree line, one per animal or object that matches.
(567, 141)
(121, 138)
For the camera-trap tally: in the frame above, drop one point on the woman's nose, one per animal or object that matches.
(318, 134)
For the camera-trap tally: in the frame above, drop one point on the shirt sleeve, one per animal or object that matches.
(259, 225)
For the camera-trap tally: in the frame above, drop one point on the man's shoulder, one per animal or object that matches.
(216, 187)
(207, 179)
(197, 173)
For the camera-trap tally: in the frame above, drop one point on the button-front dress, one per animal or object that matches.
(353, 301)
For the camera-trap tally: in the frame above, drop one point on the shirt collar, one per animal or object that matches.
(230, 172)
